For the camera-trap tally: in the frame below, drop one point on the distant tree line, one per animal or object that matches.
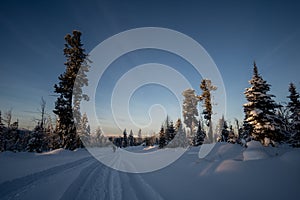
(131, 140)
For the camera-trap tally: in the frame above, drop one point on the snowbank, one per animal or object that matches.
(257, 151)
(221, 151)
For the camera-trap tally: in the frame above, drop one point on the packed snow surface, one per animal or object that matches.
(226, 171)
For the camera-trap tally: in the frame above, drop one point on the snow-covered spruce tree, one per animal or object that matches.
(131, 138)
(180, 139)
(189, 109)
(199, 136)
(171, 132)
(294, 118)
(162, 138)
(140, 138)
(37, 140)
(69, 92)
(261, 120)
(224, 132)
(119, 142)
(83, 130)
(125, 138)
(231, 136)
(206, 87)
(167, 129)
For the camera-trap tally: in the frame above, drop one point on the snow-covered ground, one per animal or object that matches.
(227, 172)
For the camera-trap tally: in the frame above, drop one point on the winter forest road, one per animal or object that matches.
(85, 178)
(227, 172)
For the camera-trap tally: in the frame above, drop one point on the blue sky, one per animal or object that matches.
(234, 33)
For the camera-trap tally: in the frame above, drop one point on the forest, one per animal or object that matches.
(265, 120)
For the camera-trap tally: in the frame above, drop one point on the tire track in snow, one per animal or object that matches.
(125, 185)
(83, 186)
(102, 182)
(138, 187)
(96, 182)
(9, 189)
(115, 185)
(142, 189)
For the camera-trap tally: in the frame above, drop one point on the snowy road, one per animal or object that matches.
(228, 169)
(100, 182)
(85, 178)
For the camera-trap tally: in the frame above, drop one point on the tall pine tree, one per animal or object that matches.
(207, 87)
(162, 138)
(167, 130)
(260, 111)
(189, 109)
(224, 132)
(140, 138)
(199, 136)
(171, 132)
(180, 139)
(294, 118)
(69, 91)
(131, 138)
(125, 138)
